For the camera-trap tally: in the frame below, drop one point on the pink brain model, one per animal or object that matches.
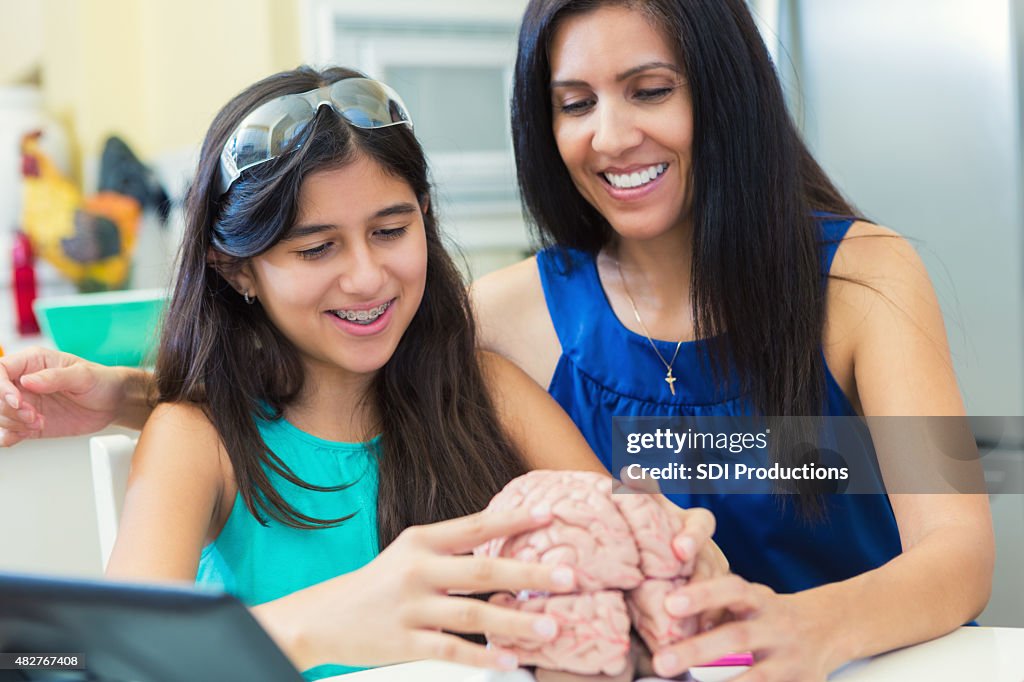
(620, 549)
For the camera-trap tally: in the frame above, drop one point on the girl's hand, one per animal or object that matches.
(398, 607)
(787, 634)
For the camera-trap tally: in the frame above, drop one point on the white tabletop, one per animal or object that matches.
(969, 653)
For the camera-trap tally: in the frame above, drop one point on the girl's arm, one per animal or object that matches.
(396, 608)
(886, 330)
(400, 606)
(175, 489)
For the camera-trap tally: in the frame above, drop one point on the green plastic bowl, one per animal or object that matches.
(112, 327)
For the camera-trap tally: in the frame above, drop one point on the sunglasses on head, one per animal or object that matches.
(281, 125)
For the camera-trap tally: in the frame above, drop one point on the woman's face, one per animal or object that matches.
(346, 280)
(622, 119)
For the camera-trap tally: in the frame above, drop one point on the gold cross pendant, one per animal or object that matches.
(670, 380)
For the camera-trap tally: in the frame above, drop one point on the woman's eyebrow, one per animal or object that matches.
(621, 76)
(300, 231)
(647, 67)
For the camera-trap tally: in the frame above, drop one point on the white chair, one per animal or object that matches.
(111, 459)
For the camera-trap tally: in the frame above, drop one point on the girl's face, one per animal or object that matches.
(344, 283)
(622, 119)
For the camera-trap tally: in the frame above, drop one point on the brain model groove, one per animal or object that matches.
(620, 549)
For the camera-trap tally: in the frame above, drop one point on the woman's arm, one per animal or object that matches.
(512, 319)
(137, 398)
(549, 439)
(175, 491)
(45, 394)
(902, 367)
(538, 427)
(885, 335)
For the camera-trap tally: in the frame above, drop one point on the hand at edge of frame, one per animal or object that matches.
(45, 393)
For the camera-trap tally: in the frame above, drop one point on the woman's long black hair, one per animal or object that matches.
(755, 188)
(442, 452)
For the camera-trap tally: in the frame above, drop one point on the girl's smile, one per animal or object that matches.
(363, 320)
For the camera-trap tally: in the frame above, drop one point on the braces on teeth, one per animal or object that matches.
(363, 315)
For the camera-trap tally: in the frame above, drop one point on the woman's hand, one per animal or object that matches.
(398, 607)
(693, 545)
(701, 557)
(788, 634)
(45, 393)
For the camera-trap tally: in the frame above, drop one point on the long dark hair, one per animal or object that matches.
(754, 191)
(442, 452)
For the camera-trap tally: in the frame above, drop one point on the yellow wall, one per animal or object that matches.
(21, 26)
(156, 72)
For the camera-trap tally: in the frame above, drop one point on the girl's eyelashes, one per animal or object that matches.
(391, 232)
(385, 234)
(315, 252)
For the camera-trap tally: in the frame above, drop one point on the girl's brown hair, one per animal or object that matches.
(442, 452)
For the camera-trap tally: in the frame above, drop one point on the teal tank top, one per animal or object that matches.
(259, 563)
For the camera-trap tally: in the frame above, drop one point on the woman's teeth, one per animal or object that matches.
(638, 179)
(363, 316)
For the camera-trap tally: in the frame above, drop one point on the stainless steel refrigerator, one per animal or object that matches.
(916, 110)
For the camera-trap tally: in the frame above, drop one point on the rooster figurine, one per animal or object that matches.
(88, 239)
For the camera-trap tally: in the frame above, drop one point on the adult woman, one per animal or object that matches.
(656, 154)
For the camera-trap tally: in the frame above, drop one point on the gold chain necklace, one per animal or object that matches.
(669, 379)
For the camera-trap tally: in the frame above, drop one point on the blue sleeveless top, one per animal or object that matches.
(259, 563)
(606, 370)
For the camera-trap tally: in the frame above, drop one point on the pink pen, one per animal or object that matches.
(731, 659)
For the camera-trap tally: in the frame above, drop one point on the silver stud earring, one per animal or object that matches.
(248, 300)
